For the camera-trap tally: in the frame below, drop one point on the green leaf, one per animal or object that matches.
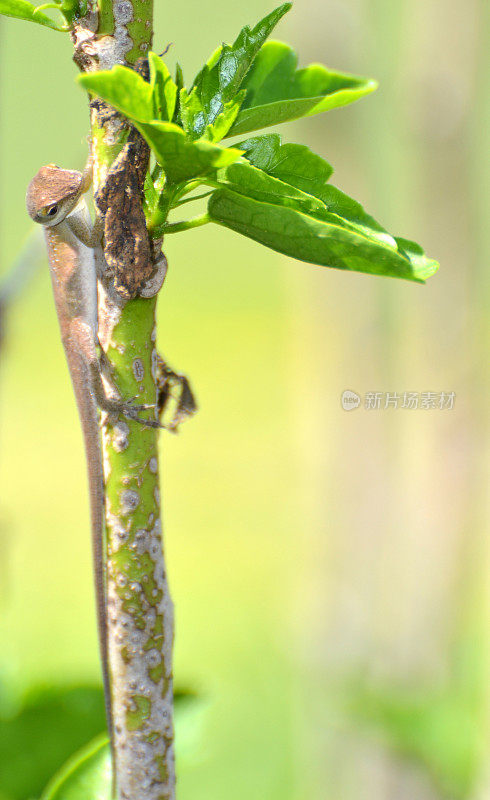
(278, 92)
(21, 9)
(292, 163)
(141, 101)
(164, 89)
(425, 267)
(223, 122)
(87, 774)
(321, 239)
(179, 81)
(124, 89)
(39, 735)
(179, 77)
(246, 179)
(352, 213)
(181, 158)
(221, 77)
(191, 113)
(297, 165)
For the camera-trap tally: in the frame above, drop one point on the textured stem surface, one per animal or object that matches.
(140, 608)
(140, 634)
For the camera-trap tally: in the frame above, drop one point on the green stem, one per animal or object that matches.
(187, 225)
(114, 16)
(192, 199)
(62, 28)
(140, 608)
(106, 18)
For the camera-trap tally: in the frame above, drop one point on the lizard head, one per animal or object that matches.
(53, 194)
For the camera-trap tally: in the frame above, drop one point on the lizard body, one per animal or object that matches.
(75, 300)
(54, 199)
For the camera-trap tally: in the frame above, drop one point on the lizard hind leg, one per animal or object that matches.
(114, 406)
(83, 336)
(106, 367)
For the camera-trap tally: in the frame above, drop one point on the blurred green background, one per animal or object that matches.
(329, 569)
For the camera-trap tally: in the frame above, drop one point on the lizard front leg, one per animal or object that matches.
(90, 234)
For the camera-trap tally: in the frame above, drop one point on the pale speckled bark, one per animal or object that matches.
(140, 609)
(140, 634)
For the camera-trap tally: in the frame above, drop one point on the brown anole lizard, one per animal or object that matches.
(55, 200)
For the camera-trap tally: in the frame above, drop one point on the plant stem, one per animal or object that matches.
(192, 199)
(140, 609)
(187, 225)
(106, 18)
(140, 612)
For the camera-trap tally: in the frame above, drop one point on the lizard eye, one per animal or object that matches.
(52, 211)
